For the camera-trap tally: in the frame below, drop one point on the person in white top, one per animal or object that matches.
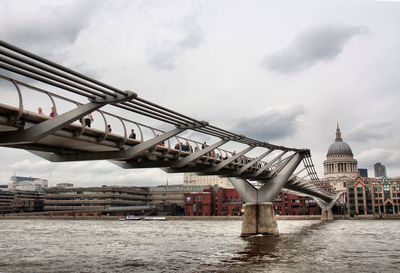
(88, 119)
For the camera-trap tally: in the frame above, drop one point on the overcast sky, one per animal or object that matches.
(281, 71)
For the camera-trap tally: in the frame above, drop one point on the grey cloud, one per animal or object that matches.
(370, 131)
(271, 125)
(45, 27)
(34, 167)
(318, 44)
(388, 157)
(164, 55)
(115, 176)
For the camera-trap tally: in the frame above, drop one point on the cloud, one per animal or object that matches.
(32, 166)
(112, 175)
(388, 157)
(44, 27)
(165, 54)
(370, 131)
(275, 123)
(315, 45)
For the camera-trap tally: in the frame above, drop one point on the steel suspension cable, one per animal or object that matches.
(51, 70)
(60, 67)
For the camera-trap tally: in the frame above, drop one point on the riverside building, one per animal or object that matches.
(374, 196)
(27, 183)
(20, 201)
(364, 196)
(193, 179)
(291, 204)
(214, 201)
(170, 199)
(95, 201)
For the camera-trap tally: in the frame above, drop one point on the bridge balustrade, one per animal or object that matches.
(25, 98)
(158, 140)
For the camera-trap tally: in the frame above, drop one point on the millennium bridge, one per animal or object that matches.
(163, 138)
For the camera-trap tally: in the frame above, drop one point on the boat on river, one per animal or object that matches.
(154, 218)
(144, 218)
(130, 218)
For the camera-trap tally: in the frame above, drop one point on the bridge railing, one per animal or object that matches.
(312, 173)
(25, 101)
(40, 69)
(43, 71)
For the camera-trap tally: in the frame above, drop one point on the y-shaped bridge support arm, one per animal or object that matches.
(270, 188)
(259, 214)
(48, 127)
(326, 208)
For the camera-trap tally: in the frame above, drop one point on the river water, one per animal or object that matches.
(197, 246)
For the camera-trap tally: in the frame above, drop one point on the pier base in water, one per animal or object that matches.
(259, 219)
(326, 215)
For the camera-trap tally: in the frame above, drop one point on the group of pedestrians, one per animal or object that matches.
(53, 112)
(184, 147)
(86, 120)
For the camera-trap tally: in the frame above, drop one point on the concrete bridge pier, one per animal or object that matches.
(259, 219)
(326, 215)
(326, 208)
(259, 214)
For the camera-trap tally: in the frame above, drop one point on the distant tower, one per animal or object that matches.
(339, 159)
(379, 169)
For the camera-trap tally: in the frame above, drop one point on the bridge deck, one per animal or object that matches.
(64, 139)
(76, 138)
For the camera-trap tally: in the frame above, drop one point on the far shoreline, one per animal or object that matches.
(193, 218)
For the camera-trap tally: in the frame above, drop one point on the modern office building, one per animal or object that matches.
(93, 201)
(6, 199)
(64, 185)
(363, 172)
(194, 179)
(27, 183)
(379, 170)
(20, 201)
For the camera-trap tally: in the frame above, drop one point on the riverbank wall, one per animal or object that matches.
(26, 216)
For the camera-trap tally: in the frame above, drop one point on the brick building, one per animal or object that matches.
(213, 201)
(374, 196)
(291, 204)
(228, 202)
(200, 203)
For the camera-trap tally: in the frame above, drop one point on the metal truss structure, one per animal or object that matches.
(61, 138)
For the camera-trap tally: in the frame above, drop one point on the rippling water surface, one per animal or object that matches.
(197, 246)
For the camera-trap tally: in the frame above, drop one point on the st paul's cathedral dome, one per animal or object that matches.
(339, 159)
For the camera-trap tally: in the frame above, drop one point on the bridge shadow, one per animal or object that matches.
(259, 249)
(267, 252)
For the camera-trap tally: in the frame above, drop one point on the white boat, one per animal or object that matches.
(154, 218)
(130, 218)
(144, 218)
